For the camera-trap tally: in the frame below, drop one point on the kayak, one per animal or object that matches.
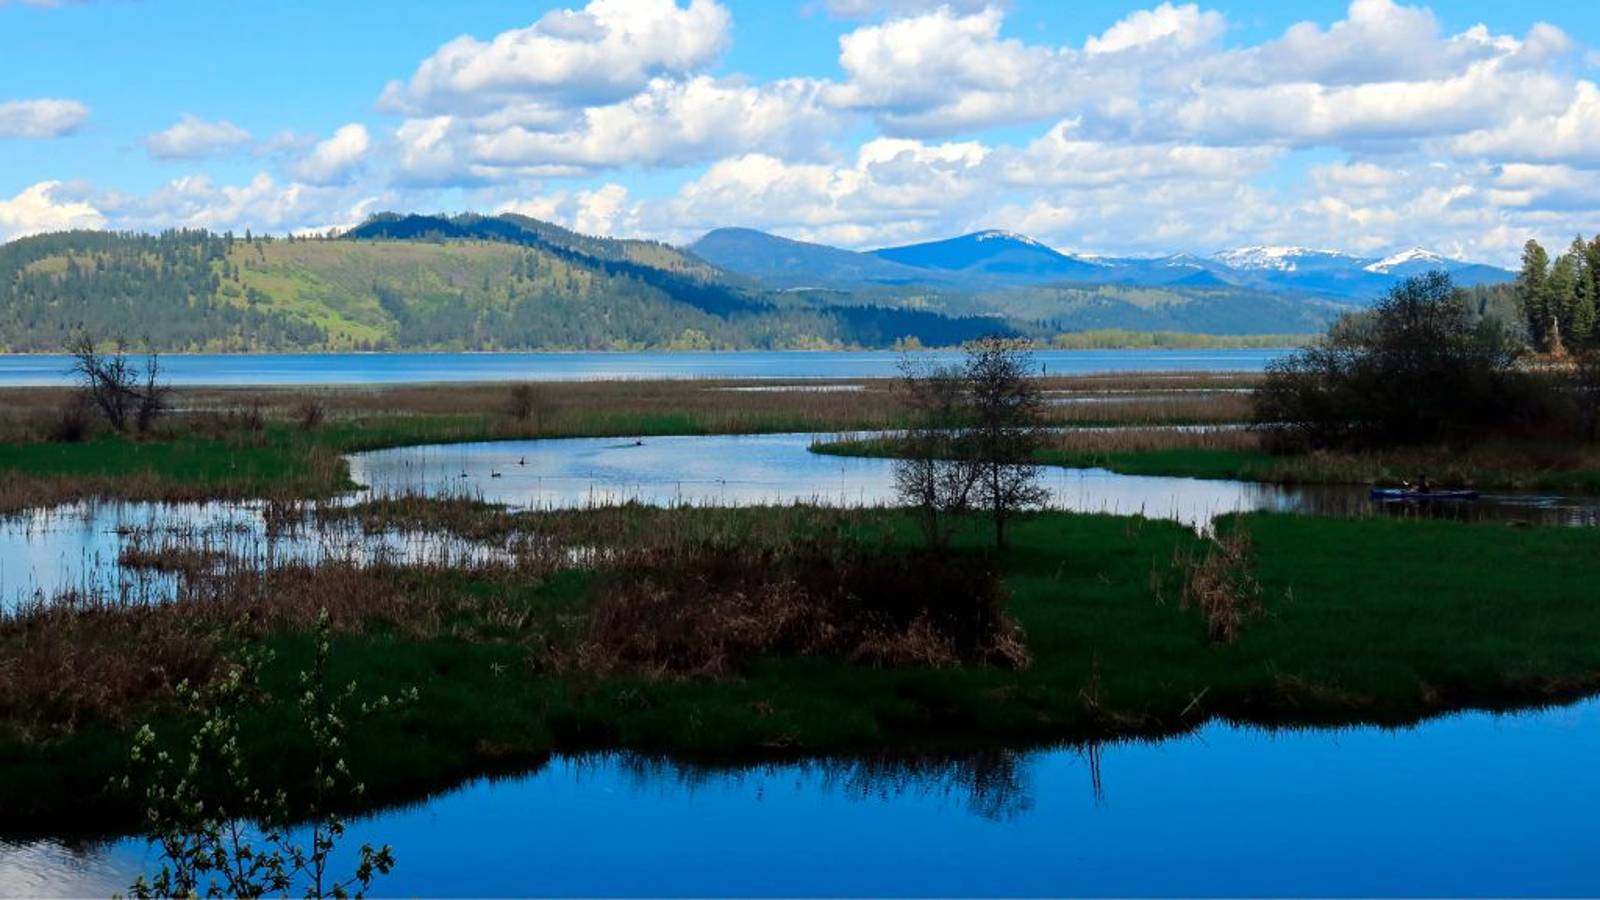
(1415, 495)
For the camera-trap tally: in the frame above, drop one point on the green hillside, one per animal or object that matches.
(468, 282)
(398, 283)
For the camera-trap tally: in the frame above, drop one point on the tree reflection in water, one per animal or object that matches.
(994, 784)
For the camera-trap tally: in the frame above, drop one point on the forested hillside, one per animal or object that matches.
(413, 282)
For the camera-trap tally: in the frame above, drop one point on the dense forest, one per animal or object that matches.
(1560, 298)
(414, 282)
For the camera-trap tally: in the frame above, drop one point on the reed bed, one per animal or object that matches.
(675, 593)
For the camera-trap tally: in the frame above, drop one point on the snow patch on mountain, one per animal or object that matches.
(1279, 258)
(1414, 255)
(996, 234)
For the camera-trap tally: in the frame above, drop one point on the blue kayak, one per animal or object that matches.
(1412, 494)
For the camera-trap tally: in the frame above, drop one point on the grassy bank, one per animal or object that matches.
(1553, 467)
(1362, 621)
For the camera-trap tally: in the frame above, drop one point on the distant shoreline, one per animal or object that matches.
(1224, 342)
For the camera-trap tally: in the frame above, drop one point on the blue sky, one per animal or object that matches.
(1108, 127)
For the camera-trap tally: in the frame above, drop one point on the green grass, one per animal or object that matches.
(1490, 468)
(281, 460)
(1365, 621)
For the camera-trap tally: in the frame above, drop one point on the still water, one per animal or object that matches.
(77, 547)
(403, 368)
(1473, 804)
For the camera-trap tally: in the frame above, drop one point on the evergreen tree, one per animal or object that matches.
(1533, 294)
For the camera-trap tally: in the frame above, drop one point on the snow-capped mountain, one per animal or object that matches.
(1409, 262)
(995, 259)
(1283, 259)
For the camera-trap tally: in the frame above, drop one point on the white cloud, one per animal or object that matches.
(1063, 158)
(336, 158)
(1181, 26)
(671, 123)
(42, 118)
(865, 9)
(603, 211)
(894, 190)
(1569, 134)
(944, 72)
(600, 54)
(192, 138)
(264, 204)
(37, 209)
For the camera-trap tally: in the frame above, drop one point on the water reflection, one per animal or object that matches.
(1475, 804)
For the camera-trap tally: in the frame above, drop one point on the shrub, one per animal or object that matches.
(72, 423)
(1416, 369)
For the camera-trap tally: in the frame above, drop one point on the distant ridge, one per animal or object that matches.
(996, 259)
(1000, 255)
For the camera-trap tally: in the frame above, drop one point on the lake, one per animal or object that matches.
(1473, 804)
(410, 368)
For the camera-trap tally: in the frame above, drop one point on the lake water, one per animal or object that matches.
(77, 547)
(1470, 805)
(403, 368)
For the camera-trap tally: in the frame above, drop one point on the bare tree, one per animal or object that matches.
(114, 386)
(935, 476)
(152, 400)
(1006, 429)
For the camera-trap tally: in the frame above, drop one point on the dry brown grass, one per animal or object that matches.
(709, 611)
(79, 660)
(1220, 584)
(712, 405)
(1134, 440)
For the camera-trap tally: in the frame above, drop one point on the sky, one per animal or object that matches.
(1114, 128)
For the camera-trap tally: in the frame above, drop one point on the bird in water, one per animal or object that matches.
(522, 461)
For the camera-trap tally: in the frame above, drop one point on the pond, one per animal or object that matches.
(77, 547)
(404, 368)
(1473, 804)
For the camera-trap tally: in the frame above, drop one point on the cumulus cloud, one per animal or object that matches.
(605, 210)
(336, 158)
(672, 123)
(192, 138)
(893, 190)
(41, 118)
(1377, 130)
(945, 72)
(1182, 26)
(603, 53)
(1570, 133)
(262, 203)
(865, 9)
(39, 208)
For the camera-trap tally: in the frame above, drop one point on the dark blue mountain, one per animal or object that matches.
(786, 264)
(997, 255)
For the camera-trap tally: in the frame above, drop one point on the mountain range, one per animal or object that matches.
(472, 282)
(989, 260)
